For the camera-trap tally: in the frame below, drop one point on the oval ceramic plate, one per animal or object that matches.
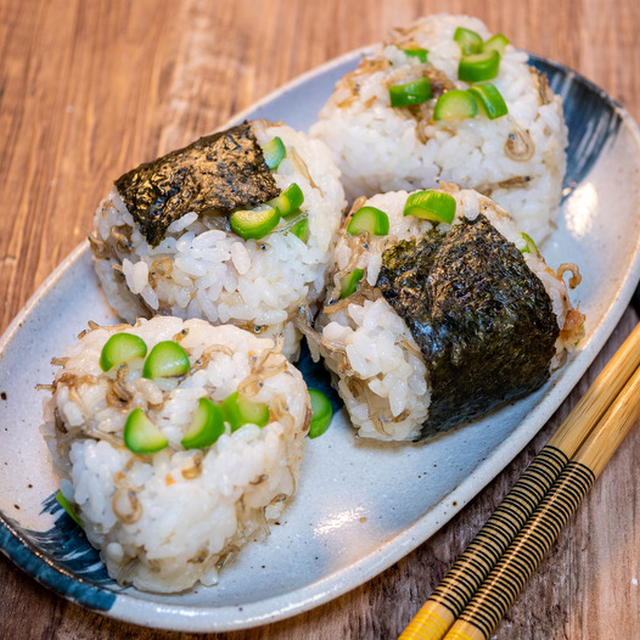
(361, 506)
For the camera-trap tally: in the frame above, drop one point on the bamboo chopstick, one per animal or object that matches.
(449, 599)
(506, 580)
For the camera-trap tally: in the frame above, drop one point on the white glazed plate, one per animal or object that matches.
(361, 506)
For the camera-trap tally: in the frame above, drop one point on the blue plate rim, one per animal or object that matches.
(124, 605)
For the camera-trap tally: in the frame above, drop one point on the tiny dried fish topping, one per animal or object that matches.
(195, 470)
(126, 506)
(519, 145)
(545, 95)
(574, 270)
(119, 394)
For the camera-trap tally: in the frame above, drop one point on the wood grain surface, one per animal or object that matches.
(89, 89)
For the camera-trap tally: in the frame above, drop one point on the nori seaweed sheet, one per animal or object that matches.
(212, 176)
(482, 319)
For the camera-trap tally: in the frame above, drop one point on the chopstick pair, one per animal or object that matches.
(488, 576)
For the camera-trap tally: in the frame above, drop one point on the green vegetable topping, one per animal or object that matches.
(404, 95)
(166, 359)
(288, 201)
(479, 66)
(531, 246)
(496, 43)
(455, 104)
(480, 60)
(349, 283)
(239, 411)
(68, 507)
(120, 348)
(322, 412)
(469, 41)
(273, 152)
(431, 205)
(489, 98)
(141, 435)
(301, 229)
(207, 426)
(370, 219)
(417, 52)
(254, 223)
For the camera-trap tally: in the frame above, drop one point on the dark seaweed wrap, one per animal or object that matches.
(482, 319)
(214, 175)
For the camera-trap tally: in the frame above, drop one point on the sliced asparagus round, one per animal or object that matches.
(121, 348)
(141, 435)
(166, 359)
(322, 413)
(289, 201)
(207, 426)
(369, 219)
(239, 411)
(273, 152)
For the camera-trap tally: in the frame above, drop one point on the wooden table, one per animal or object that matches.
(89, 89)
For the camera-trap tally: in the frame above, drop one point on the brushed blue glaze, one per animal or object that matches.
(60, 558)
(317, 377)
(592, 117)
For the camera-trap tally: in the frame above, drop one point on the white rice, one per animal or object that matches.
(191, 508)
(379, 148)
(381, 374)
(199, 271)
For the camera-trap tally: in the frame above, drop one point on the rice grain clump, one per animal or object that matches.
(517, 159)
(163, 240)
(446, 321)
(166, 507)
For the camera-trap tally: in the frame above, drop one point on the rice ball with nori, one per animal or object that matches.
(195, 233)
(178, 442)
(518, 158)
(430, 324)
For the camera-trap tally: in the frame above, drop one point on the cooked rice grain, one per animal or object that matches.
(166, 521)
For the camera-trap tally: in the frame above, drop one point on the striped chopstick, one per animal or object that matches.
(450, 598)
(503, 585)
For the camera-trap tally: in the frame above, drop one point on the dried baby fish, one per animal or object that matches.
(126, 506)
(574, 270)
(519, 145)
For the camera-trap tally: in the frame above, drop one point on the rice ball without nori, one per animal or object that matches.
(236, 228)
(517, 158)
(178, 442)
(440, 310)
